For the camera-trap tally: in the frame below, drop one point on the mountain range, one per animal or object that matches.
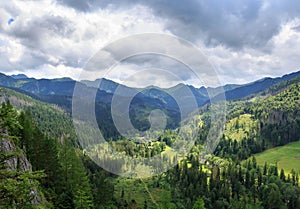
(60, 91)
(65, 87)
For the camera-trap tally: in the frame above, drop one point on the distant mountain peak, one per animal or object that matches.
(63, 79)
(19, 76)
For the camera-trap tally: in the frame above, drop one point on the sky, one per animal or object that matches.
(243, 40)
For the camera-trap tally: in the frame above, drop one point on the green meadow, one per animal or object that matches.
(287, 157)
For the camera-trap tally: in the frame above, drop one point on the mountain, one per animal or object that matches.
(65, 87)
(39, 86)
(106, 85)
(60, 92)
(7, 81)
(19, 76)
(255, 87)
(202, 94)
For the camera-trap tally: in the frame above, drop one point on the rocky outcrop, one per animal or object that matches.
(19, 162)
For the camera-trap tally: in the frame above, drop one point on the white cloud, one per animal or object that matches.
(60, 36)
(48, 39)
(249, 64)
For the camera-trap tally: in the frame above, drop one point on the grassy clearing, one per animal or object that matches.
(287, 157)
(240, 127)
(141, 191)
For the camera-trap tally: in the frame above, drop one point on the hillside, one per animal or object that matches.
(250, 129)
(54, 164)
(261, 122)
(286, 157)
(257, 86)
(51, 119)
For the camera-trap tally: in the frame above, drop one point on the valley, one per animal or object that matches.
(250, 167)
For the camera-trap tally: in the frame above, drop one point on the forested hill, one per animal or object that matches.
(266, 120)
(41, 164)
(51, 119)
(236, 179)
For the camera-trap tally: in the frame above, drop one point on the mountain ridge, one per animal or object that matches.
(65, 87)
(94, 83)
(60, 92)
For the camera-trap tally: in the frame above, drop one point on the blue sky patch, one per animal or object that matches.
(10, 21)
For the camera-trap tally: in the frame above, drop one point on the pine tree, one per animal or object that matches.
(282, 175)
(75, 177)
(199, 204)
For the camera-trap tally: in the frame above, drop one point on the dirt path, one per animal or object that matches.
(152, 198)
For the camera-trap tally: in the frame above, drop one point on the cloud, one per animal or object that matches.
(250, 65)
(153, 51)
(45, 33)
(244, 40)
(235, 24)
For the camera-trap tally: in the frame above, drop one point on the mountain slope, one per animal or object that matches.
(51, 119)
(264, 121)
(256, 87)
(287, 157)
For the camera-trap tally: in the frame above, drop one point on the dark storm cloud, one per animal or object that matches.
(235, 24)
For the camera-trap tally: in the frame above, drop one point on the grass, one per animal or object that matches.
(287, 157)
(240, 127)
(141, 191)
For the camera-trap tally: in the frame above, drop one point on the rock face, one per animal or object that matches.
(18, 162)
